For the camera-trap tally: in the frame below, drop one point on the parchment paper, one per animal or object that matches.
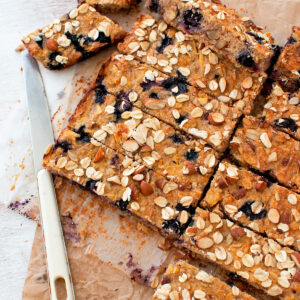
(105, 248)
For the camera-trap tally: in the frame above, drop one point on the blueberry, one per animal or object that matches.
(173, 82)
(180, 119)
(173, 225)
(115, 161)
(189, 209)
(192, 19)
(91, 184)
(191, 154)
(154, 96)
(166, 41)
(247, 210)
(75, 40)
(258, 38)
(245, 59)
(64, 145)
(177, 139)
(291, 40)
(122, 104)
(287, 123)
(147, 85)
(102, 38)
(122, 204)
(100, 90)
(83, 136)
(53, 64)
(153, 5)
(40, 42)
(181, 76)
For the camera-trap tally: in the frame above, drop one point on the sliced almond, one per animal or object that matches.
(130, 145)
(216, 118)
(273, 215)
(204, 243)
(247, 83)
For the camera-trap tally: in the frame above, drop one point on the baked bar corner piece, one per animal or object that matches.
(287, 68)
(258, 145)
(76, 36)
(283, 110)
(111, 6)
(184, 281)
(260, 261)
(236, 37)
(254, 202)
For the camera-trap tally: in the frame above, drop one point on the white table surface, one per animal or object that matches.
(17, 18)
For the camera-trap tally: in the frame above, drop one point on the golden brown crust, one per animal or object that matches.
(259, 146)
(287, 68)
(173, 52)
(183, 281)
(74, 37)
(283, 111)
(236, 37)
(262, 262)
(253, 201)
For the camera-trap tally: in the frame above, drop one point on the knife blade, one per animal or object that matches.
(42, 136)
(37, 103)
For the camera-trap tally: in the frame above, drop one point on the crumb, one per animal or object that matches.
(20, 48)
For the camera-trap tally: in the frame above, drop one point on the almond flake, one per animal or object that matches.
(247, 83)
(265, 140)
(61, 162)
(292, 199)
(161, 201)
(130, 145)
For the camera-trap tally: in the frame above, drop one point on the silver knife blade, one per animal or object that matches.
(37, 104)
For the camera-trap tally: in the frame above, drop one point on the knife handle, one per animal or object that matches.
(57, 259)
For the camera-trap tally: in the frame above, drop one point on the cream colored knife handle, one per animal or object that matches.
(58, 267)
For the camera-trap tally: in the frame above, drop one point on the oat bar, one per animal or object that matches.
(255, 202)
(283, 111)
(77, 35)
(258, 145)
(287, 68)
(170, 100)
(112, 6)
(173, 52)
(262, 262)
(122, 182)
(238, 38)
(184, 281)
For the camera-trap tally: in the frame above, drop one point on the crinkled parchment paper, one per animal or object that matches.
(107, 248)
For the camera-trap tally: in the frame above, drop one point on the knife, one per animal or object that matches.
(42, 136)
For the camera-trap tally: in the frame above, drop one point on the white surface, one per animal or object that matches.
(16, 232)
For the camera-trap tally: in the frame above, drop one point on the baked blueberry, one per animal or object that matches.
(191, 154)
(166, 41)
(100, 90)
(192, 19)
(64, 145)
(177, 139)
(286, 123)
(245, 59)
(247, 210)
(83, 136)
